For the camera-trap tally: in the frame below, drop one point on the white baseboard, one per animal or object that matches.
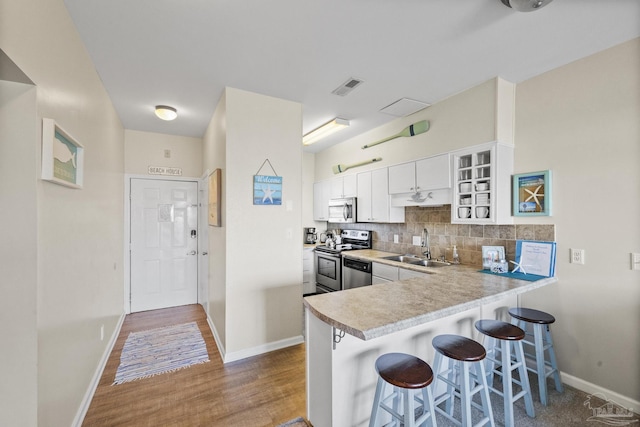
(93, 385)
(264, 348)
(249, 352)
(216, 337)
(590, 388)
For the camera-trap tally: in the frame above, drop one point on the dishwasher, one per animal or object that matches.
(355, 273)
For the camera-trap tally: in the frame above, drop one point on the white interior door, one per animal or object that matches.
(164, 244)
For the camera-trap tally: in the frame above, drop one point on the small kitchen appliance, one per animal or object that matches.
(328, 261)
(310, 235)
(342, 210)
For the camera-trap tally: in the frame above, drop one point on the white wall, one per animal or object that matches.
(79, 232)
(144, 149)
(18, 259)
(582, 121)
(263, 244)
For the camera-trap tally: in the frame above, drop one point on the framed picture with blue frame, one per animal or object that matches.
(532, 194)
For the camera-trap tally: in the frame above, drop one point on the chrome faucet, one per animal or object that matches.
(425, 244)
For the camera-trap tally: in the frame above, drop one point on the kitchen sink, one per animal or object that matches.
(414, 260)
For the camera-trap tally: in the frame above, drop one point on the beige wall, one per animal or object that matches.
(464, 119)
(18, 254)
(144, 149)
(582, 121)
(79, 232)
(214, 155)
(262, 244)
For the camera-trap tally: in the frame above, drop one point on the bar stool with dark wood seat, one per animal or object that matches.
(542, 342)
(502, 336)
(455, 356)
(407, 374)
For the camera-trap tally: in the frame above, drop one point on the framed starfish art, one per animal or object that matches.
(532, 194)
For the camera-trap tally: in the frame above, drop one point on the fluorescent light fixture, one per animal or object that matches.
(165, 112)
(324, 131)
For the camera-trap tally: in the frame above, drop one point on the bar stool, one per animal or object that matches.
(459, 354)
(502, 336)
(406, 374)
(542, 341)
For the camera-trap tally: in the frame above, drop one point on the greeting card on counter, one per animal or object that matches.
(534, 257)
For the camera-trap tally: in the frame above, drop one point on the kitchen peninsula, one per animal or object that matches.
(346, 331)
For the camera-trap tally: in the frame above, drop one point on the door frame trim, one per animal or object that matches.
(126, 297)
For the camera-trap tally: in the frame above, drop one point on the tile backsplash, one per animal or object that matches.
(469, 239)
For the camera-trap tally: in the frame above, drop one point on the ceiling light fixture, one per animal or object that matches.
(526, 5)
(165, 112)
(324, 131)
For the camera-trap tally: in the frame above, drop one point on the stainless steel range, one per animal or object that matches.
(328, 259)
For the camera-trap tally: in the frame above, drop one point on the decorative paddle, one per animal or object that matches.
(411, 130)
(341, 168)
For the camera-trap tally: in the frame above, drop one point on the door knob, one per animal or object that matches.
(205, 253)
(191, 253)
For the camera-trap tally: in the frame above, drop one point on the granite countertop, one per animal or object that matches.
(374, 311)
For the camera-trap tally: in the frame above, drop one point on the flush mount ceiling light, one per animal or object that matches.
(324, 131)
(526, 5)
(165, 112)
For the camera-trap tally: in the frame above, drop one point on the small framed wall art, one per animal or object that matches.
(62, 156)
(532, 194)
(215, 195)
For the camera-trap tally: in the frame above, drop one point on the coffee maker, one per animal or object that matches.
(310, 236)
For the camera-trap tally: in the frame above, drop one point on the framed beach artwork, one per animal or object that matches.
(215, 193)
(532, 194)
(62, 156)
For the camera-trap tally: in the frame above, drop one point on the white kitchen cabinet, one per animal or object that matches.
(308, 271)
(321, 195)
(482, 184)
(431, 173)
(343, 186)
(374, 200)
(434, 173)
(404, 273)
(384, 272)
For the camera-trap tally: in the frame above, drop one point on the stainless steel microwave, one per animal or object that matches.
(342, 210)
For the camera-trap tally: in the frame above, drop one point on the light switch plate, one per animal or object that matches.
(417, 241)
(635, 261)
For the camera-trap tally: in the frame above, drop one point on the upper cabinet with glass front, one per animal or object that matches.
(482, 184)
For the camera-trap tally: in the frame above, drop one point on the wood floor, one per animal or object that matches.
(264, 390)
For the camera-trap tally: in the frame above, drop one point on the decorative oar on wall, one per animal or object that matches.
(411, 130)
(341, 168)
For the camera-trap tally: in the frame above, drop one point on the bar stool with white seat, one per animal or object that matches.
(542, 344)
(453, 363)
(407, 374)
(502, 336)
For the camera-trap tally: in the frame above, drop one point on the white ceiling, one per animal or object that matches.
(184, 52)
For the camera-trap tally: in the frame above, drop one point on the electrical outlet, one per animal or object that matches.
(102, 333)
(577, 256)
(396, 239)
(417, 241)
(635, 261)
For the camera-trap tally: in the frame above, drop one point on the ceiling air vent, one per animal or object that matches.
(346, 87)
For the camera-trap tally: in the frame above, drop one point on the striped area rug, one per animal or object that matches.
(161, 350)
